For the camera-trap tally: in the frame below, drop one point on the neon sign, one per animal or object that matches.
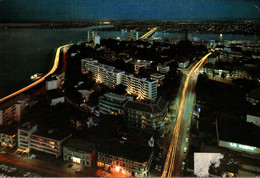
(243, 147)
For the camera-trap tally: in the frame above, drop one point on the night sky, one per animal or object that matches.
(27, 10)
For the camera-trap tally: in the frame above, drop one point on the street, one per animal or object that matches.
(179, 147)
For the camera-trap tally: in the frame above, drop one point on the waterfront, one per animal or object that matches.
(24, 52)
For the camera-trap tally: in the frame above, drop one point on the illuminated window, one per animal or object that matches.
(76, 160)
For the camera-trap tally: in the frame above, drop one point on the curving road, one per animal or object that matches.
(175, 152)
(55, 66)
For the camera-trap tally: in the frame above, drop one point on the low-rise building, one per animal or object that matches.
(254, 119)
(141, 63)
(55, 81)
(136, 136)
(12, 110)
(162, 69)
(111, 103)
(157, 77)
(8, 136)
(49, 141)
(253, 96)
(79, 151)
(147, 116)
(183, 63)
(239, 137)
(55, 97)
(213, 58)
(129, 159)
(24, 134)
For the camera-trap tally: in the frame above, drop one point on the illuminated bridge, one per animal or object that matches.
(151, 32)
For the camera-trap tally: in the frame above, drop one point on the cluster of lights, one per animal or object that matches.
(244, 147)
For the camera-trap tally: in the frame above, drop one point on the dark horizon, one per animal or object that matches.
(66, 10)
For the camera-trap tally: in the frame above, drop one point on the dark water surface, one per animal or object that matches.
(24, 52)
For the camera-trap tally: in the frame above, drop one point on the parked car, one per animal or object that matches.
(187, 139)
(33, 156)
(185, 149)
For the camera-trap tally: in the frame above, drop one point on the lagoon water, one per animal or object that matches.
(24, 52)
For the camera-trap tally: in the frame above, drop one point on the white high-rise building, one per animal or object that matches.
(102, 73)
(143, 88)
(96, 40)
(133, 35)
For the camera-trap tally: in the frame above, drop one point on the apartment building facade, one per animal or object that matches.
(8, 136)
(49, 141)
(111, 103)
(102, 73)
(128, 159)
(143, 88)
(12, 110)
(158, 77)
(147, 116)
(79, 151)
(24, 134)
(162, 69)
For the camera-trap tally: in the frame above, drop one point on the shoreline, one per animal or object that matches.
(53, 69)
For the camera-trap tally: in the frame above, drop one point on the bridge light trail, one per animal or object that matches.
(148, 33)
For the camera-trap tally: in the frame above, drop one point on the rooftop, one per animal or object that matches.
(135, 133)
(54, 134)
(12, 101)
(116, 96)
(128, 151)
(51, 77)
(104, 66)
(54, 94)
(79, 144)
(255, 93)
(27, 126)
(157, 75)
(8, 129)
(162, 66)
(239, 132)
(139, 77)
(159, 106)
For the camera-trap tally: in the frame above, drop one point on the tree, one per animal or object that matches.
(223, 75)
(120, 89)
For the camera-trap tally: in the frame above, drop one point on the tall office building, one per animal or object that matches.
(102, 73)
(133, 35)
(96, 40)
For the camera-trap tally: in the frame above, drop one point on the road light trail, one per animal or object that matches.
(54, 67)
(169, 162)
